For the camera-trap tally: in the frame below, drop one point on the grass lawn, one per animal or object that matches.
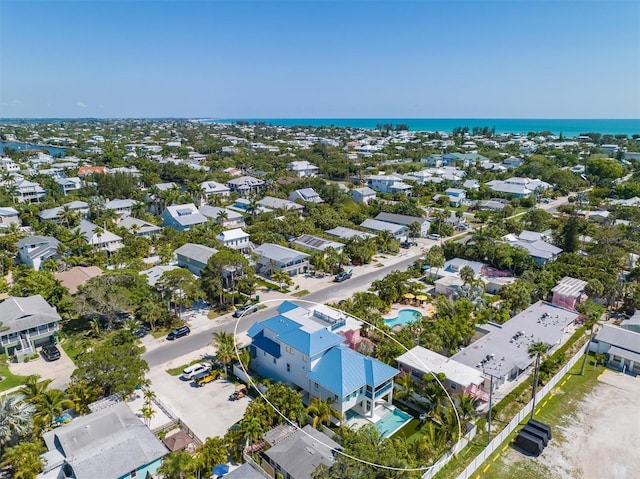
(9, 380)
(411, 431)
(299, 294)
(555, 410)
(177, 371)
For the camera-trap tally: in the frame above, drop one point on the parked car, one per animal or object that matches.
(433, 236)
(192, 371)
(50, 352)
(345, 275)
(408, 244)
(178, 333)
(244, 310)
(205, 377)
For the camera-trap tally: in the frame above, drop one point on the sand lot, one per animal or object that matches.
(601, 440)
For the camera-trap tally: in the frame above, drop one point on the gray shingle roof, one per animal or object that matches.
(620, 337)
(400, 219)
(20, 314)
(278, 253)
(300, 453)
(106, 444)
(197, 252)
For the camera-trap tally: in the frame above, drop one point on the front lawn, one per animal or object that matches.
(9, 380)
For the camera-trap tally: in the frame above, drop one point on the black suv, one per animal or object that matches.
(244, 310)
(50, 352)
(178, 333)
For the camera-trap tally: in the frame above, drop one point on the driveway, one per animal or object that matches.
(206, 410)
(59, 371)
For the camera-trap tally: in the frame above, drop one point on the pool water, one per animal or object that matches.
(405, 316)
(392, 422)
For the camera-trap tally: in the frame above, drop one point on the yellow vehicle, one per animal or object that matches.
(206, 377)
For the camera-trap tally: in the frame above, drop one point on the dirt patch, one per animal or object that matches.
(600, 439)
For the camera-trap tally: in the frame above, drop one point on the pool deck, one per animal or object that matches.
(379, 414)
(426, 309)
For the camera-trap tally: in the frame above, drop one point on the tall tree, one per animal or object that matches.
(24, 459)
(322, 410)
(15, 418)
(225, 348)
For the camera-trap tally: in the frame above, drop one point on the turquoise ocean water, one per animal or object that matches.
(568, 127)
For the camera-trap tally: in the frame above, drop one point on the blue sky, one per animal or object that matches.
(327, 59)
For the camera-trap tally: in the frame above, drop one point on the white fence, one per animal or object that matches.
(500, 438)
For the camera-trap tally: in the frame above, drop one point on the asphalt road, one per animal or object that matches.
(332, 293)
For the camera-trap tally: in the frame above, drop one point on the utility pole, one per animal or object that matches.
(490, 404)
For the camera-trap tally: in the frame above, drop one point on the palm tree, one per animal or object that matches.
(95, 327)
(281, 278)
(225, 345)
(15, 418)
(590, 322)
(322, 411)
(538, 350)
(252, 429)
(151, 311)
(176, 465)
(408, 385)
(33, 388)
(77, 240)
(68, 216)
(24, 459)
(222, 217)
(49, 406)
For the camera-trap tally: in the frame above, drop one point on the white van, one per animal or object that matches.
(189, 372)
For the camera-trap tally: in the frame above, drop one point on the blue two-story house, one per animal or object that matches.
(301, 347)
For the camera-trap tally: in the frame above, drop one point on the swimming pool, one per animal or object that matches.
(392, 421)
(405, 316)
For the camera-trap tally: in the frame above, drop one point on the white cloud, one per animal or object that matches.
(81, 104)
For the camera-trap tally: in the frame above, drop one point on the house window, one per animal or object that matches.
(453, 385)
(304, 358)
(288, 367)
(315, 385)
(274, 361)
(289, 349)
(133, 474)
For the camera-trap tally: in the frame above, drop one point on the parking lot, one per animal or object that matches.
(59, 371)
(205, 410)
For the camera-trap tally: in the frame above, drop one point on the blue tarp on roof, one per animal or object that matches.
(266, 344)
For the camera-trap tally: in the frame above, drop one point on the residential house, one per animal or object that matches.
(389, 184)
(622, 347)
(35, 250)
(8, 165)
(346, 234)
(247, 206)
(456, 195)
(494, 204)
(407, 221)
(448, 282)
(533, 242)
(459, 378)
(518, 187)
(272, 203)
(513, 162)
(92, 170)
(182, 217)
(223, 216)
(100, 238)
(27, 323)
(53, 214)
(568, 292)
(363, 195)
(305, 194)
(473, 185)
(121, 207)
(211, 188)
(9, 216)
(235, 239)
(463, 160)
(154, 274)
(78, 275)
(295, 453)
(301, 347)
(110, 443)
(28, 192)
(400, 232)
(138, 227)
(194, 257)
(315, 243)
(69, 185)
(271, 257)
(245, 185)
(303, 169)
(502, 350)
(435, 161)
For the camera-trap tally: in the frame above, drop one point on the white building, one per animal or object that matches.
(235, 239)
(303, 169)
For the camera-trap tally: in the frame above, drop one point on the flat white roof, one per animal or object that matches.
(427, 361)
